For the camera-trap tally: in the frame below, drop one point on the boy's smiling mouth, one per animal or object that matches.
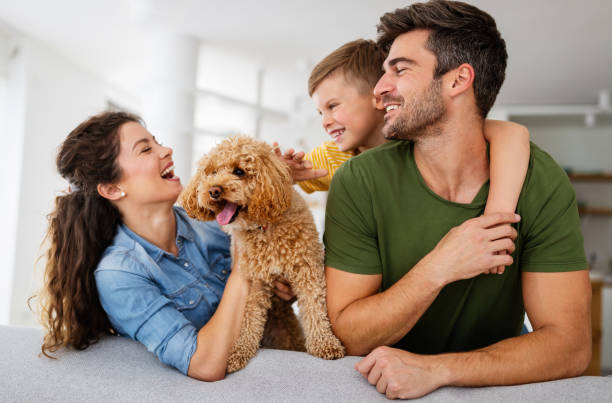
(336, 133)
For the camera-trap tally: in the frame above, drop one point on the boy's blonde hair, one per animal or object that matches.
(359, 60)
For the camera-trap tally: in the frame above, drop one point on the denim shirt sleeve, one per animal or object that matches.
(137, 308)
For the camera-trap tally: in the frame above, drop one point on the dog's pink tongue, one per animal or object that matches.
(225, 216)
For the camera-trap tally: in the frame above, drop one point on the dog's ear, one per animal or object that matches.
(189, 200)
(272, 194)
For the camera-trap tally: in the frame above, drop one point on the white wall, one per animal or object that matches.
(52, 97)
(11, 138)
(583, 149)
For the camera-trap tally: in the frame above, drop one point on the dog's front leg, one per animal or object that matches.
(310, 292)
(253, 324)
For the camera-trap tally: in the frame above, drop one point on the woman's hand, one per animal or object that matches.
(284, 291)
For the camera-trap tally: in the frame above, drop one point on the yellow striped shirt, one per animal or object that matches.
(326, 156)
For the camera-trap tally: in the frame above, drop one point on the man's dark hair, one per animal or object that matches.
(459, 33)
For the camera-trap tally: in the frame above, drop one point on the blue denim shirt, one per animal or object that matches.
(160, 299)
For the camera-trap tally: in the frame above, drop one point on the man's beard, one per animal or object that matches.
(418, 114)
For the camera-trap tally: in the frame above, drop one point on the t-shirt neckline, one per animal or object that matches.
(479, 200)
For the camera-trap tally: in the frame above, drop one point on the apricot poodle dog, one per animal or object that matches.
(248, 189)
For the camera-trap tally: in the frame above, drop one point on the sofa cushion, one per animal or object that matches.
(119, 369)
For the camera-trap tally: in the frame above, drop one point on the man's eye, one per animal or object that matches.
(146, 149)
(238, 172)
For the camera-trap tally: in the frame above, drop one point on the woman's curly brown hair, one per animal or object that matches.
(82, 225)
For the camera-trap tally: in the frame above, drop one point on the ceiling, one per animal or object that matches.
(560, 50)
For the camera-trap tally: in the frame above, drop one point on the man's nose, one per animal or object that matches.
(383, 86)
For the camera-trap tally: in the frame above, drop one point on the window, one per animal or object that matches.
(226, 98)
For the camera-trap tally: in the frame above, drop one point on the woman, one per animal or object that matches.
(124, 259)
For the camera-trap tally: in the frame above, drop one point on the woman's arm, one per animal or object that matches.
(216, 338)
(509, 155)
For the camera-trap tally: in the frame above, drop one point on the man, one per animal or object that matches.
(406, 247)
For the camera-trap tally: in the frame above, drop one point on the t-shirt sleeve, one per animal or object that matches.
(318, 157)
(549, 216)
(137, 308)
(351, 242)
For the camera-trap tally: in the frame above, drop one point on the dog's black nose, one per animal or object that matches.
(215, 192)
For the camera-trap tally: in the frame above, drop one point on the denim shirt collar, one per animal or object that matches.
(183, 231)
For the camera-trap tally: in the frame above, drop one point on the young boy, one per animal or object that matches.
(341, 86)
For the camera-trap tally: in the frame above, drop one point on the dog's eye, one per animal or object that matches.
(238, 172)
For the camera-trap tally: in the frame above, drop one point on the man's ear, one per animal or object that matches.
(460, 79)
(109, 191)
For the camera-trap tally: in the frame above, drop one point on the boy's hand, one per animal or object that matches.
(498, 269)
(301, 169)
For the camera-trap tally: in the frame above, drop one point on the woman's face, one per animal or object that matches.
(147, 167)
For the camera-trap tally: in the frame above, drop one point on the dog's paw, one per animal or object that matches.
(329, 349)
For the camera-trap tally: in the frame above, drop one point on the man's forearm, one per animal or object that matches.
(543, 355)
(384, 318)
(375, 319)
(558, 305)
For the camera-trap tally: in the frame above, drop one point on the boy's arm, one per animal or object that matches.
(509, 156)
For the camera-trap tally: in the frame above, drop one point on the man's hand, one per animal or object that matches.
(473, 248)
(301, 169)
(399, 374)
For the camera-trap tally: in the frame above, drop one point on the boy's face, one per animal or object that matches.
(348, 116)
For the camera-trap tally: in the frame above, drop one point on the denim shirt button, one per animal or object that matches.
(224, 271)
(186, 264)
(191, 302)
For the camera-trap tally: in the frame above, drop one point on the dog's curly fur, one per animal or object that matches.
(276, 239)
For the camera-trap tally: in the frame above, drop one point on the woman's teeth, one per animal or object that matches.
(168, 172)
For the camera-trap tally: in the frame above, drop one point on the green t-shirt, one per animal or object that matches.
(382, 218)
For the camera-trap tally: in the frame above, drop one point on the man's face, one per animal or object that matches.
(411, 97)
